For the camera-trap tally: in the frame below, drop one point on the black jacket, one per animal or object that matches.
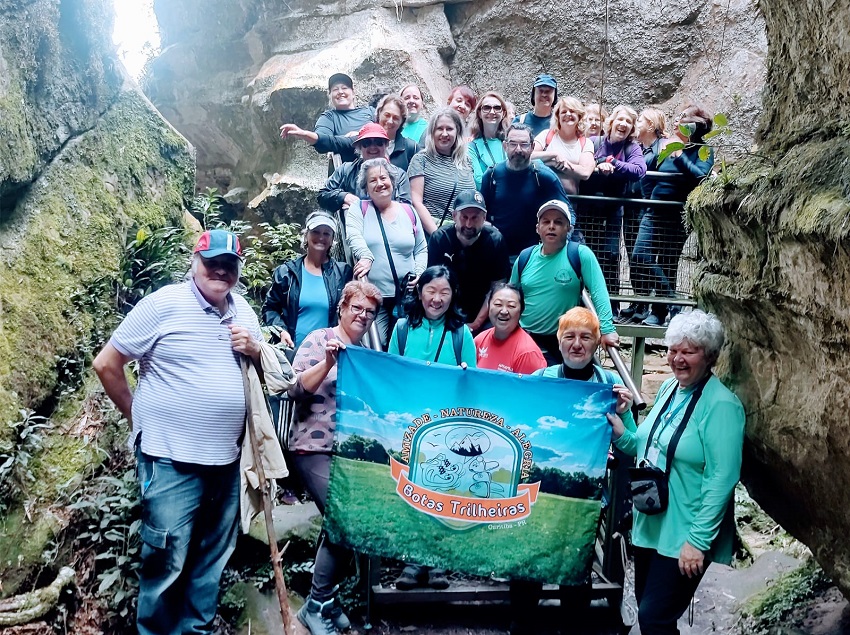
(402, 153)
(344, 181)
(281, 305)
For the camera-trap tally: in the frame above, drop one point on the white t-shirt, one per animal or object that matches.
(572, 150)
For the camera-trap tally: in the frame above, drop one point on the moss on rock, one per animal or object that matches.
(131, 169)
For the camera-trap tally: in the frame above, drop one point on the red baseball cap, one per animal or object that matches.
(372, 131)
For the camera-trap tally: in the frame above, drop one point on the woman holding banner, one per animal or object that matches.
(434, 331)
(697, 426)
(579, 336)
(312, 436)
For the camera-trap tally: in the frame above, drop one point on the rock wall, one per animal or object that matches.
(229, 76)
(774, 239)
(84, 158)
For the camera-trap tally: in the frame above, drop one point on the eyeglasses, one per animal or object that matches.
(489, 108)
(524, 145)
(368, 143)
(356, 309)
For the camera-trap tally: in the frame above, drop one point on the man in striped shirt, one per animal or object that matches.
(187, 417)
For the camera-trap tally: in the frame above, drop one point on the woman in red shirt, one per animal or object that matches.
(506, 346)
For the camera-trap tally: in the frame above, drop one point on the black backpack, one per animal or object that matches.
(402, 327)
(572, 256)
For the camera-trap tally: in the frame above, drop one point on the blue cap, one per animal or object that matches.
(216, 242)
(545, 80)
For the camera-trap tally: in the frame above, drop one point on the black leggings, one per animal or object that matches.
(314, 470)
(661, 591)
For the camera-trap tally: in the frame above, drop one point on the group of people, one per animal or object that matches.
(443, 285)
(558, 149)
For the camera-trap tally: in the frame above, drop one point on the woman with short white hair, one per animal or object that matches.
(693, 438)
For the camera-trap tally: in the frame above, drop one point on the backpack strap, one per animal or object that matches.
(549, 136)
(583, 141)
(522, 261)
(411, 214)
(364, 205)
(575, 260)
(522, 117)
(401, 328)
(457, 343)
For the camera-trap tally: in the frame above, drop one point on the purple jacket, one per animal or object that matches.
(629, 165)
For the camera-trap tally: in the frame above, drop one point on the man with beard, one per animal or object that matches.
(544, 95)
(474, 251)
(515, 189)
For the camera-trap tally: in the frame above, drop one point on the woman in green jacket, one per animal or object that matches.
(434, 331)
(435, 328)
(673, 548)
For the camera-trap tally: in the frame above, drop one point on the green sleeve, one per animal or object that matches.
(477, 170)
(393, 347)
(591, 273)
(628, 442)
(515, 273)
(722, 433)
(629, 421)
(467, 351)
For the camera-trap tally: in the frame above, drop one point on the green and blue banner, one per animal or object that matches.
(477, 471)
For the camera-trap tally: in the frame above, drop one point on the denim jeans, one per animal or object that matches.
(655, 259)
(600, 226)
(190, 519)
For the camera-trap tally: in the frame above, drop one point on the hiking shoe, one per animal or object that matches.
(437, 579)
(412, 577)
(629, 311)
(653, 320)
(641, 315)
(338, 616)
(315, 616)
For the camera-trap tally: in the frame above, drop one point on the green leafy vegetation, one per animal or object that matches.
(721, 128)
(151, 260)
(777, 605)
(108, 520)
(16, 453)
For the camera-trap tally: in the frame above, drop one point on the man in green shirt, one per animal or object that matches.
(552, 286)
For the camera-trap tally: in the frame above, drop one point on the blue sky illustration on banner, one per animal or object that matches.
(564, 426)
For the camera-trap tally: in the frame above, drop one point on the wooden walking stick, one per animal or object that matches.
(279, 583)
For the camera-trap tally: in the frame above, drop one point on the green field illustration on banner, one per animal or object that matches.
(474, 471)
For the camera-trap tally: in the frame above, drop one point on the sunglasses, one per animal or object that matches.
(489, 108)
(368, 143)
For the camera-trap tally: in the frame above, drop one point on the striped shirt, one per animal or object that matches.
(442, 177)
(189, 405)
